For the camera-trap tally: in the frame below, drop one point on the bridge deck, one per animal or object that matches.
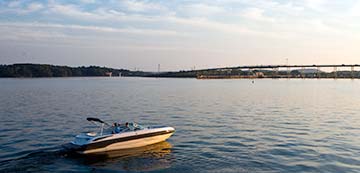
(289, 66)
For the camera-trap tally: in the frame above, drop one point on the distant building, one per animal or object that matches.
(259, 74)
(109, 74)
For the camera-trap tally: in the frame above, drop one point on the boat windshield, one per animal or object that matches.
(132, 126)
(112, 129)
(135, 126)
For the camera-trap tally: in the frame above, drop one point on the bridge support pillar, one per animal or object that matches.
(275, 72)
(288, 72)
(352, 72)
(250, 72)
(302, 72)
(318, 72)
(335, 72)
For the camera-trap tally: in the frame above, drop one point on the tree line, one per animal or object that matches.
(46, 70)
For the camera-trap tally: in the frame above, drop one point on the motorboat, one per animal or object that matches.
(119, 137)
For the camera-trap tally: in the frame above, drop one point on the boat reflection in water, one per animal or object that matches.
(152, 157)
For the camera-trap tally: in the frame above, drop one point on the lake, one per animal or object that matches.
(269, 125)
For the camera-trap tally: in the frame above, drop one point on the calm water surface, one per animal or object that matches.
(222, 125)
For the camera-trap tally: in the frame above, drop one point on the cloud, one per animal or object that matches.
(317, 5)
(22, 8)
(203, 24)
(142, 6)
(13, 4)
(88, 1)
(193, 18)
(203, 10)
(117, 16)
(71, 10)
(40, 30)
(291, 20)
(176, 25)
(100, 13)
(256, 14)
(355, 10)
(34, 7)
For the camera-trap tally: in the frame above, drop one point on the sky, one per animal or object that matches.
(179, 35)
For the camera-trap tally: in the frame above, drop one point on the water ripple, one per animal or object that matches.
(221, 125)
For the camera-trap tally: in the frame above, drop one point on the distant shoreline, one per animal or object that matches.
(28, 70)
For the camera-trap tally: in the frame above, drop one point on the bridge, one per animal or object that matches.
(288, 66)
(286, 73)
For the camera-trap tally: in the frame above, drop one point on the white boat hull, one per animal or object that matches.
(86, 144)
(130, 144)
